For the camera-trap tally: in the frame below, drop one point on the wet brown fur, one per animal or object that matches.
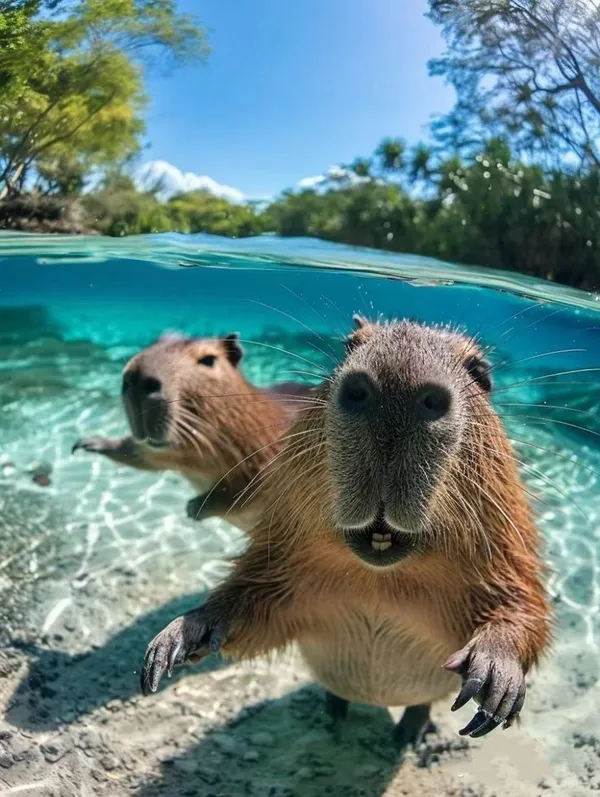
(476, 577)
(222, 430)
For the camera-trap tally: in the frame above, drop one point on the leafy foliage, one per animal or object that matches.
(528, 70)
(72, 85)
(118, 208)
(527, 76)
(487, 210)
(199, 211)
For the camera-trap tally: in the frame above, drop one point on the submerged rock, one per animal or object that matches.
(41, 480)
(41, 469)
(40, 474)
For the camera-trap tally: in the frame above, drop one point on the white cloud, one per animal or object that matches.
(175, 181)
(311, 182)
(334, 175)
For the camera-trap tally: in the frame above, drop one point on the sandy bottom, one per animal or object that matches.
(75, 723)
(95, 563)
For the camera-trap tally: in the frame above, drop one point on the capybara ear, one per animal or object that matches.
(479, 368)
(359, 321)
(363, 329)
(233, 349)
(172, 336)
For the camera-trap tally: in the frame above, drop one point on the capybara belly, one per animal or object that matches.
(381, 663)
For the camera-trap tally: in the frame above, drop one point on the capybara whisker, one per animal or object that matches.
(395, 546)
(191, 410)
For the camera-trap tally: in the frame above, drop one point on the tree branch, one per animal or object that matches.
(66, 136)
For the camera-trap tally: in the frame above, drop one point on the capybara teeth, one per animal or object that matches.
(381, 546)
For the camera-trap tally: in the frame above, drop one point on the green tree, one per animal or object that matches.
(488, 209)
(296, 215)
(87, 112)
(390, 154)
(118, 208)
(420, 165)
(74, 90)
(29, 7)
(361, 167)
(528, 70)
(200, 211)
(63, 176)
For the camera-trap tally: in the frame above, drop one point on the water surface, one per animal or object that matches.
(94, 563)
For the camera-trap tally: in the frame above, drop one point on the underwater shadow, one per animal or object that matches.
(285, 747)
(60, 688)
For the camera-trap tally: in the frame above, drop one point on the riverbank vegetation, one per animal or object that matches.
(509, 179)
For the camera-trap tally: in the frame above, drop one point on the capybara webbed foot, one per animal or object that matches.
(194, 634)
(414, 726)
(495, 679)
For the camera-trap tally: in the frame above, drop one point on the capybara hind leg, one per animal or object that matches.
(414, 726)
(337, 711)
(336, 707)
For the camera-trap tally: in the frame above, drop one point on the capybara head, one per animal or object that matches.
(401, 418)
(174, 390)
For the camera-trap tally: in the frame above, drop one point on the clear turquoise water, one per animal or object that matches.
(79, 554)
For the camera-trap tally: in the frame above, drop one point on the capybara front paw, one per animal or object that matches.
(495, 679)
(195, 506)
(193, 634)
(97, 445)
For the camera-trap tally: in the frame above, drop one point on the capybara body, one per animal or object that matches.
(401, 554)
(190, 409)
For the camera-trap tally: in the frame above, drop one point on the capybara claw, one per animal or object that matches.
(494, 680)
(189, 635)
(97, 445)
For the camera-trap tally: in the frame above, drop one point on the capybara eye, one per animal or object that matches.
(479, 369)
(209, 360)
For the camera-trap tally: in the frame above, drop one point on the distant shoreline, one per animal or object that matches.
(44, 214)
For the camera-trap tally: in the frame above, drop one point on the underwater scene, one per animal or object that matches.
(96, 558)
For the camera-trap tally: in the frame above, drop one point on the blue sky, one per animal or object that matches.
(292, 88)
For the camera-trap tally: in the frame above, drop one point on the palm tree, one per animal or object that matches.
(420, 164)
(391, 154)
(361, 167)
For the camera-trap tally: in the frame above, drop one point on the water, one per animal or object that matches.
(93, 564)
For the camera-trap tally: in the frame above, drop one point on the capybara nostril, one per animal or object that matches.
(357, 393)
(151, 385)
(432, 403)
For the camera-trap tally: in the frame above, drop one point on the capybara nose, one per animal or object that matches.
(155, 408)
(146, 407)
(151, 386)
(357, 393)
(155, 416)
(432, 402)
(139, 386)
